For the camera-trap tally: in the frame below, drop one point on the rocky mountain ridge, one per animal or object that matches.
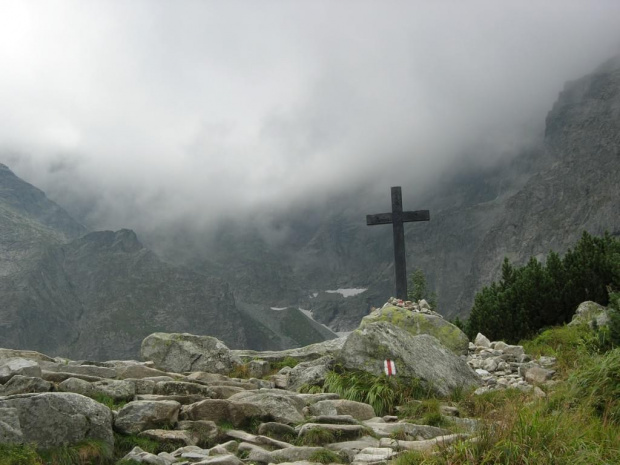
(67, 291)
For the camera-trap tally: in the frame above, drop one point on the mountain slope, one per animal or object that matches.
(100, 294)
(578, 192)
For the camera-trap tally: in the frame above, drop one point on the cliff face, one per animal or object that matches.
(578, 191)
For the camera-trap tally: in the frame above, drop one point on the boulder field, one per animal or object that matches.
(189, 394)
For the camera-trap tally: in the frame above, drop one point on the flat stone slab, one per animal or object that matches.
(409, 429)
(339, 431)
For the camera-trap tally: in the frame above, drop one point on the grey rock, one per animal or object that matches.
(59, 377)
(411, 430)
(27, 354)
(138, 372)
(374, 454)
(589, 312)
(482, 341)
(295, 454)
(421, 357)
(345, 432)
(224, 391)
(141, 456)
(57, 418)
(88, 370)
(538, 375)
(204, 430)
(10, 367)
(303, 354)
(221, 460)
(168, 388)
(310, 373)
(141, 415)
(282, 407)
(352, 448)
(258, 368)
(179, 353)
(19, 384)
(334, 419)
(10, 429)
(421, 323)
(277, 430)
(173, 437)
(357, 410)
(256, 453)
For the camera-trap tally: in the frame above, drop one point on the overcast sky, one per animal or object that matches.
(153, 112)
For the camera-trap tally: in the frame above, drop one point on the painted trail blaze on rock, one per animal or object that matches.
(389, 367)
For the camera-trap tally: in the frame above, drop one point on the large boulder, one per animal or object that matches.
(589, 312)
(187, 352)
(421, 323)
(141, 415)
(60, 418)
(422, 357)
(282, 406)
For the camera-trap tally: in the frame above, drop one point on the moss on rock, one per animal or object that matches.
(422, 323)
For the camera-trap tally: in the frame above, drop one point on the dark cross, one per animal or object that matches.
(397, 218)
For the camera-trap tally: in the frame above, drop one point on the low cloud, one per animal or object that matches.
(147, 114)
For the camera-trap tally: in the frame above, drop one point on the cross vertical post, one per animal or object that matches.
(398, 229)
(397, 217)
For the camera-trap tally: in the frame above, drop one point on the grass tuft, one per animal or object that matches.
(383, 393)
(325, 456)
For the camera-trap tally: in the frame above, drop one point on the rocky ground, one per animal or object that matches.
(186, 397)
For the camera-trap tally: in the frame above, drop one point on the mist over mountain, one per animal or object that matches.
(245, 147)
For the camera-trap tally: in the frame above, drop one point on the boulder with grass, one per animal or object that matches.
(420, 357)
(54, 419)
(419, 322)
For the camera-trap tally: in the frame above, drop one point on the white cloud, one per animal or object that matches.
(153, 112)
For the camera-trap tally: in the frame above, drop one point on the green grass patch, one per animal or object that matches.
(123, 444)
(325, 456)
(317, 437)
(109, 402)
(383, 393)
(240, 371)
(18, 454)
(285, 362)
(569, 344)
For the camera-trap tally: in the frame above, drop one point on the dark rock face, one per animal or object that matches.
(578, 191)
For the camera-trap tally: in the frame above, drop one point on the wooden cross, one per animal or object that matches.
(397, 218)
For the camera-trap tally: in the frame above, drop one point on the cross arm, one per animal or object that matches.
(387, 218)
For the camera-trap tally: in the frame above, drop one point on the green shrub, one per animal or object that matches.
(535, 296)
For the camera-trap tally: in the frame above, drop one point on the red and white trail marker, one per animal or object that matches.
(390, 367)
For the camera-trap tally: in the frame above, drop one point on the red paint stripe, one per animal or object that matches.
(389, 367)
